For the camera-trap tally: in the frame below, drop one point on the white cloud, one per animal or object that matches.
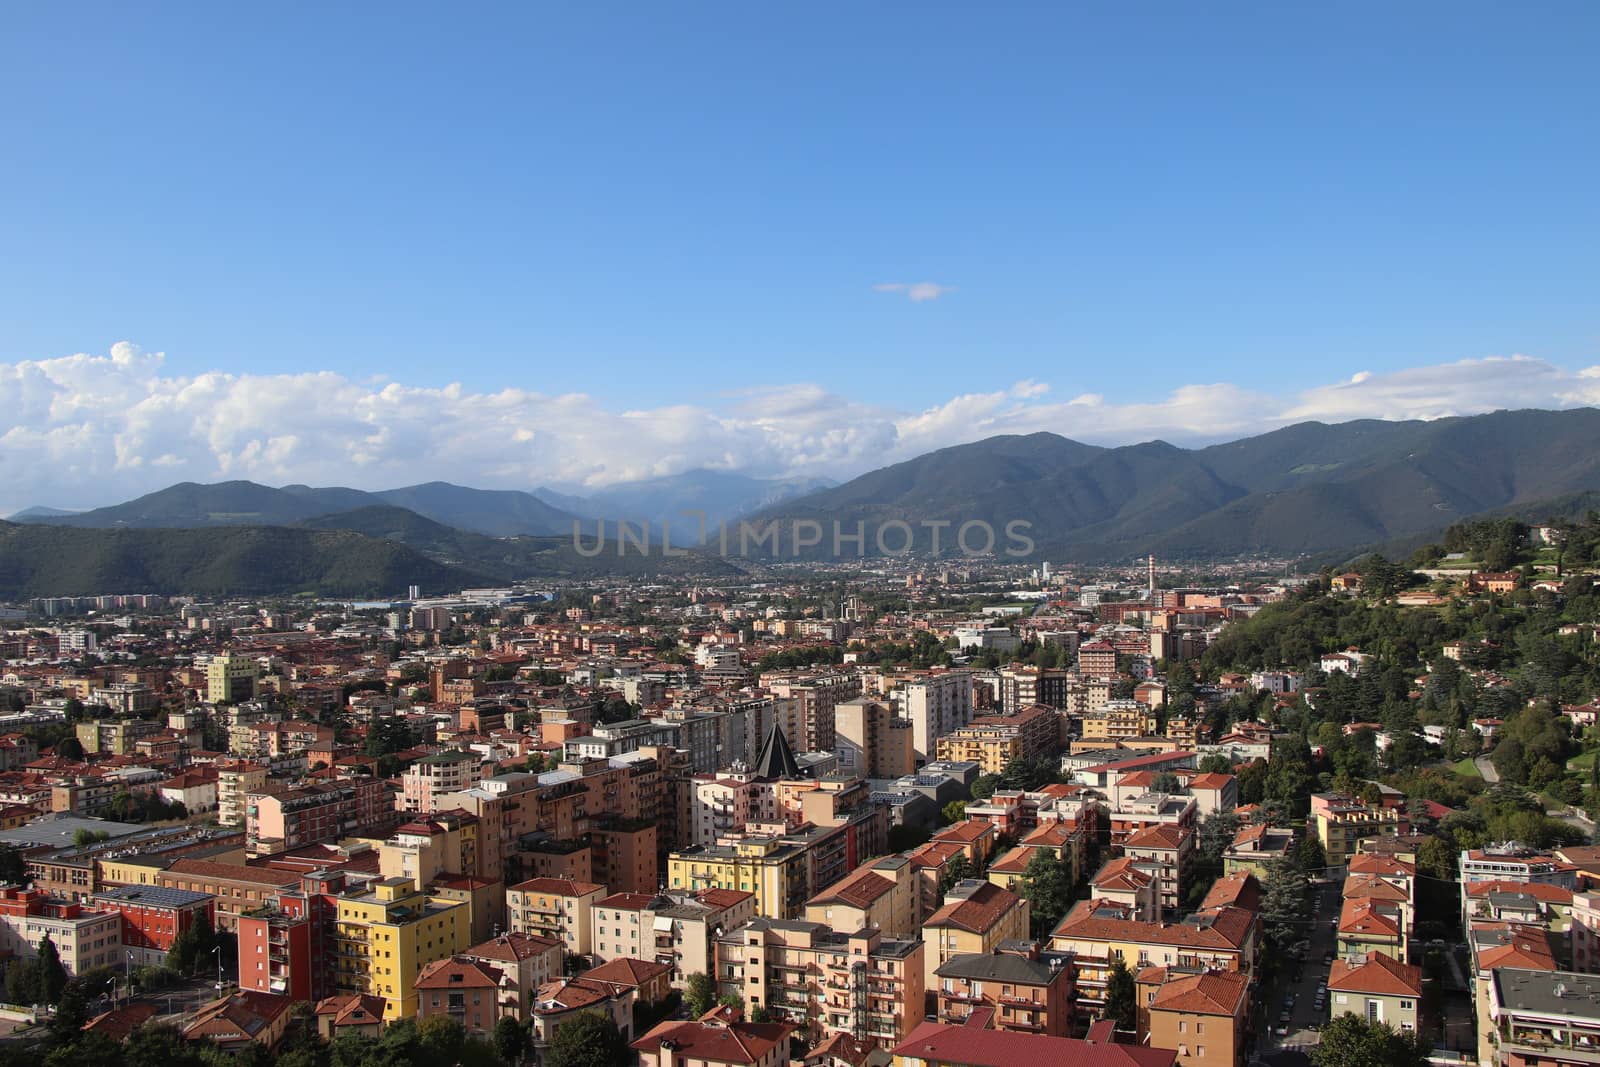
(916, 292)
(84, 430)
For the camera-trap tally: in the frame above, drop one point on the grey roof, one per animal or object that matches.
(998, 967)
(777, 758)
(1548, 992)
(160, 896)
(56, 830)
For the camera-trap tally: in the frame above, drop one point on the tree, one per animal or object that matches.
(1216, 763)
(1309, 855)
(588, 1039)
(12, 867)
(52, 976)
(1351, 1041)
(761, 1014)
(1121, 996)
(72, 1011)
(953, 812)
(700, 993)
(1283, 905)
(70, 749)
(1047, 889)
(441, 1039)
(956, 870)
(510, 1039)
(154, 1045)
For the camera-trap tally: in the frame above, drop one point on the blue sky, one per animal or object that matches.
(654, 204)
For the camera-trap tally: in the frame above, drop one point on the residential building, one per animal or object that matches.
(936, 704)
(1543, 1018)
(313, 814)
(976, 917)
(385, 935)
(559, 908)
(1204, 1017)
(935, 1044)
(231, 679)
(524, 962)
(154, 916)
(993, 741)
(465, 990)
(824, 981)
(85, 938)
(1024, 991)
(1342, 824)
(434, 776)
(720, 1038)
(236, 780)
(1168, 852)
(1377, 988)
(673, 928)
(871, 741)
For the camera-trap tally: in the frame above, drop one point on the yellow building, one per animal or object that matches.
(1119, 720)
(768, 867)
(383, 937)
(993, 741)
(885, 896)
(1342, 824)
(976, 917)
(231, 679)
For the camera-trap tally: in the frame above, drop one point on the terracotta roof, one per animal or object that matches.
(118, 1023)
(627, 971)
(458, 973)
(979, 912)
(570, 994)
(556, 887)
(1530, 953)
(1541, 891)
(1235, 890)
(241, 1016)
(1120, 874)
(1211, 993)
(967, 830)
(974, 1047)
(1379, 974)
(1160, 836)
(513, 946)
(1369, 863)
(1361, 916)
(1210, 780)
(1371, 887)
(1223, 929)
(353, 1009)
(723, 898)
(235, 872)
(712, 1040)
(1051, 834)
(858, 890)
(625, 901)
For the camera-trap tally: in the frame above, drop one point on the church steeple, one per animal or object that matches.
(777, 758)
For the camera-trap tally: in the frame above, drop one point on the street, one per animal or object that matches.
(1304, 1015)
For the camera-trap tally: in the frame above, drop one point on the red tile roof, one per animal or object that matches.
(1378, 974)
(978, 912)
(556, 887)
(714, 1041)
(971, 1047)
(1211, 993)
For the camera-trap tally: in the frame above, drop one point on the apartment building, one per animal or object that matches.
(431, 777)
(1204, 1017)
(524, 962)
(1168, 853)
(1119, 720)
(236, 780)
(807, 707)
(384, 935)
(674, 929)
(231, 679)
(464, 990)
(1025, 991)
(1543, 1018)
(975, 919)
(85, 938)
(1342, 824)
(1379, 989)
(872, 742)
(992, 741)
(936, 704)
(559, 908)
(822, 981)
(884, 896)
(153, 917)
(314, 814)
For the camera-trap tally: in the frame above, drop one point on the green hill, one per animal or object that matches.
(238, 561)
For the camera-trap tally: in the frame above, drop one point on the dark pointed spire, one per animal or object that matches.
(777, 758)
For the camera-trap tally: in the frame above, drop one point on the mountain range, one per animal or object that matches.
(1304, 490)
(1307, 488)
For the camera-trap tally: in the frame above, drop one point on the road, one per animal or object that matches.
(1304, 1015)
(1486, 769)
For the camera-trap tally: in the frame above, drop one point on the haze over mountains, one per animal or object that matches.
(1307, 489)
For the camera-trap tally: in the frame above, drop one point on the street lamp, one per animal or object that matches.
(218, 950)
(127, 971)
